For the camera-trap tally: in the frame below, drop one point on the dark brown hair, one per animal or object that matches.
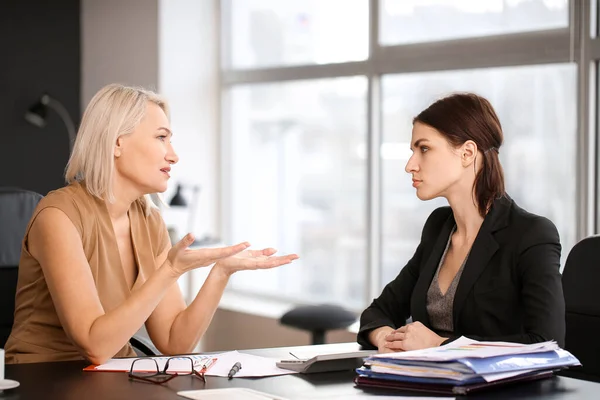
(467, 116)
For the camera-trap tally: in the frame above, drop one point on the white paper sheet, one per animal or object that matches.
(465, 347)
(228, 394)
(252, 366)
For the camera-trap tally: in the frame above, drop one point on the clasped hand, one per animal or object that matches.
(228, 259)
(413, 336)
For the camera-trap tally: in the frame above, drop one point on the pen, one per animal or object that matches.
(234, 370)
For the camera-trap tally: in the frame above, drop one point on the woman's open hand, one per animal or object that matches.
(253, 259)
(182, 259)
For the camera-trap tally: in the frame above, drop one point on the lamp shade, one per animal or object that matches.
(36, 114)
(178, 199)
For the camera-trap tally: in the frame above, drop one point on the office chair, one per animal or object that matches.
(16, 208)
(581, 280)
(143, 346)
(318, 320)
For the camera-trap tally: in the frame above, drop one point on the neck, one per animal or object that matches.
(124, 195)
(466, 214)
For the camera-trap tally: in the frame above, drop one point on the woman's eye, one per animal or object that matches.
(162, 137)
(424, 149)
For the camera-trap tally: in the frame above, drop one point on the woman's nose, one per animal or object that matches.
(172, 157)
(411, 165)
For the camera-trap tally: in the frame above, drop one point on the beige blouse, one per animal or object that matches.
(37, 334)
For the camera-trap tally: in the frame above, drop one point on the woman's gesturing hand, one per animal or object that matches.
(182, 259)
(253, 259)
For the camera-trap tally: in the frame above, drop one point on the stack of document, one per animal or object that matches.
(463, 365)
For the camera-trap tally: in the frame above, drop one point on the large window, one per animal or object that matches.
(298, 184)
(275, 32)
(317, 122)
(413, 21)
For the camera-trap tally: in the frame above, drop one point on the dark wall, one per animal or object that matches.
(39, 52)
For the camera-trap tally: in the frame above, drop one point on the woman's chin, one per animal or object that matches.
(160, 188)
(424, 196)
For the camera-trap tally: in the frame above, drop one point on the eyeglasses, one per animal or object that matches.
(147, 369)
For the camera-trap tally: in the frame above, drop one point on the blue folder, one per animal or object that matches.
(507, 363)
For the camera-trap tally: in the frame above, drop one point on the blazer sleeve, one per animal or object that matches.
(392, 307)
(543, 304)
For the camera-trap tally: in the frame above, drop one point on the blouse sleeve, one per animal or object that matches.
(161, 243)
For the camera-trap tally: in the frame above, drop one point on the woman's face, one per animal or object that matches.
(435, 165)
(145, 156)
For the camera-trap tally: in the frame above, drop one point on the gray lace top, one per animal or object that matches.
(439, 306)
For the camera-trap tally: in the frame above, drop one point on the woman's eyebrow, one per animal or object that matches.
(418, 142)
(166, 129)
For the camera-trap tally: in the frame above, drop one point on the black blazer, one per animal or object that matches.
(510, 288)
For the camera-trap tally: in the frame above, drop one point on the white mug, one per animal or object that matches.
(1, 364)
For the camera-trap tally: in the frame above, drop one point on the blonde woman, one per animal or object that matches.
(96, 262)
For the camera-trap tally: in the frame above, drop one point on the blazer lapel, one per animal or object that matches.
(483, 249)
(426, 274)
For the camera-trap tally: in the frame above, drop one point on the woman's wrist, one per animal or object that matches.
(170, 270)
(221, 271)
(379, 334)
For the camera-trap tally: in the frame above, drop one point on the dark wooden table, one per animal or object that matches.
(67, 381)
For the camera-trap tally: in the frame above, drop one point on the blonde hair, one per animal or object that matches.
(113, 112)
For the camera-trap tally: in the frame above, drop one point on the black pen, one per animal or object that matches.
(234, 370)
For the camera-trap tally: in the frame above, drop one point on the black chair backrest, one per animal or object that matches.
(143, 346)
(16, 208)
(581, 280)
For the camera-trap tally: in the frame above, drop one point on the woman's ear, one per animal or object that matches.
(468, 153)
(118, 148)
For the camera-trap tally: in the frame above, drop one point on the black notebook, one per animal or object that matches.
(366, 382)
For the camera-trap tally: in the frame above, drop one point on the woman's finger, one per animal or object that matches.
(229, 251)
(272, 262)
(264, 252)
(397, 345)
(395, 336)
(268, 252)
(184, 243)
(218, 253)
